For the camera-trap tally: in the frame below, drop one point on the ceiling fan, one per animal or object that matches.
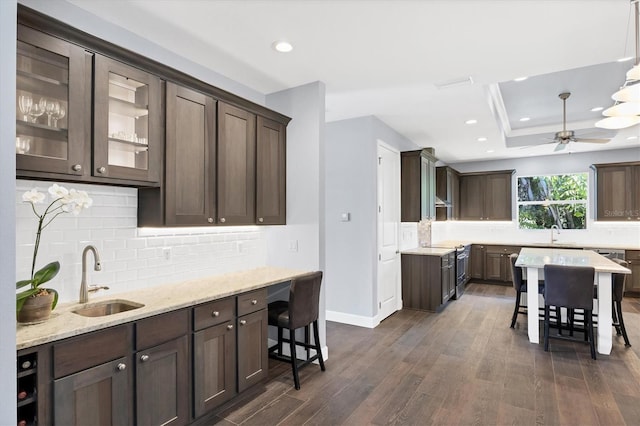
(565, 136)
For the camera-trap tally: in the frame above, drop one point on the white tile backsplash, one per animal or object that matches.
(131, 257)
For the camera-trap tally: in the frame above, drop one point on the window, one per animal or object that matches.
(549, 200)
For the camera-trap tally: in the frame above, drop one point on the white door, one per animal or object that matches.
(389, 290)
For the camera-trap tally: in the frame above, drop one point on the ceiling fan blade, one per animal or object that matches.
(560, 147)
(589, 140)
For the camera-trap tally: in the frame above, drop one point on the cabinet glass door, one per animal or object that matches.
(50, 79)
(126, 122)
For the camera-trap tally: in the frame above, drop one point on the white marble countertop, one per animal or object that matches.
(428, 251)
(64, 323)
(538, 257)
(450, 243)
(558, 244)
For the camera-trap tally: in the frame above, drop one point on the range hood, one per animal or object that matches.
(440, 203)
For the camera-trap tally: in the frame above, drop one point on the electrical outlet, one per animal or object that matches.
(293, 245)
(166, 253)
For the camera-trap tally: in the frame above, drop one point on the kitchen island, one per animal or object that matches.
(534, 259)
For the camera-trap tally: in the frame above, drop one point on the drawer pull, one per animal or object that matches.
(122, 366)
(144, 358)
(210, 220)
(254, 302)
(230, 327)
(215, 314)
(223, 220)
(76, 167)
(260, 220)
(243, 322)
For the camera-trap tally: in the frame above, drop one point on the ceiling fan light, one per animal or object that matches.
(622, 109)
(628, 94)
(634, 73)
(615, 123)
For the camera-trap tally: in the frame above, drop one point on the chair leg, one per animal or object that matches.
(592, 343)
(515, 311)
(621, 322)
(546, 328)
(279, 340)
(294, 358)
(614, 318)
(316, 338)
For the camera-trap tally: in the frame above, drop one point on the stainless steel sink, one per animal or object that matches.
(108, 307)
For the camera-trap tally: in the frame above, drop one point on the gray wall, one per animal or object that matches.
(351, 187)
(8, 390)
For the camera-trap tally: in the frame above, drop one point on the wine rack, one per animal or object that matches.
(27, 398)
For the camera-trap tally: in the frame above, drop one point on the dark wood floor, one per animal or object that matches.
(463, 366)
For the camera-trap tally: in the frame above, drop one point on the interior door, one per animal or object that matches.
(388, 230)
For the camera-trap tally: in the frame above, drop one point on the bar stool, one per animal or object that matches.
(570, 287)
(520, 285)
(618, 280)
(300, 311)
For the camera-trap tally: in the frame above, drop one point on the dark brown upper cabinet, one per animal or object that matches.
(53, 81)
(418, 186)
(271, 155)
(617, 193)
(236, 166)
(127, 122)
(486, 196)
(448, 190)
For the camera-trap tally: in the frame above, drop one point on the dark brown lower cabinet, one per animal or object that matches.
(214, 367)
(253, 360)
(427, 281)
(162, 385)
(96, 396)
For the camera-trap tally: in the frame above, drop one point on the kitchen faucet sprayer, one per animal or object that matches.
(557, 230)
(97, 266)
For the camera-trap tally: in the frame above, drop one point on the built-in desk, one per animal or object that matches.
(534, 259)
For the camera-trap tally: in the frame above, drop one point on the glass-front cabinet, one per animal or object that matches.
(127, 122)
(52, 100)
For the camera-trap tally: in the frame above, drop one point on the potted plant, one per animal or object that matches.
(35, 303)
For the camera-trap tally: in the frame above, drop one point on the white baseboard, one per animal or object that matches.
(358, 320)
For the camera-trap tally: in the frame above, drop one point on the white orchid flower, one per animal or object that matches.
(58, 191)
(81, 199)
(33, 196)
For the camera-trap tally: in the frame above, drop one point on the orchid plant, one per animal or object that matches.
(63, 201)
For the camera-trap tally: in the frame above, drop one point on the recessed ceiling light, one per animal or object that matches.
(472, 121)
(525, 119)
(628, 58)
(489, 151)
(632, 138)
(596, 109)
(520, 79)
(282, 46)
(482, 139)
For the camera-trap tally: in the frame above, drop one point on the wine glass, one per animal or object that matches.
(58, 114)
(23, 145)
(25, 102)
(35, 112)
(49, 106)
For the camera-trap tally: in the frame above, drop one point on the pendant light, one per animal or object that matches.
(626, 111)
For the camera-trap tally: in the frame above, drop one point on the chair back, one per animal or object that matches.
(516, 272)
(304, 300)
(617, 280)
(569, 286)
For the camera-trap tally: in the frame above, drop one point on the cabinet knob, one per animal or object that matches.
(215, 314)
(122, 366)
(102, 169)
(76, 167)
(243, 322)
(260, 219)
(223, 220)
(254, 302)
(210, 220)
(144, 358)
(230, 327)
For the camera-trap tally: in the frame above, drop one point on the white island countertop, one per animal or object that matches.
(538, 257)
(64, 323)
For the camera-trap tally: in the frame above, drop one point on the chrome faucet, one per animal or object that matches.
(553, 240)
(84, 290)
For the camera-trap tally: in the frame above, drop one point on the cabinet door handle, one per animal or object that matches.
(215, 314)
(243, 322)
(102, 169)
(144, 358)
(254, 302)
(210, 220)
(121, 366)
(260, 219)
(230, 327)
(76, 167)
(223, 220)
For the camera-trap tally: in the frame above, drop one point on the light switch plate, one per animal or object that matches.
(293, 245)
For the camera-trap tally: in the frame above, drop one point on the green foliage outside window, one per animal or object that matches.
(559, 200)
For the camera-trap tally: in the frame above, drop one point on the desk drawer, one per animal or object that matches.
(252, 301)
(213, 313)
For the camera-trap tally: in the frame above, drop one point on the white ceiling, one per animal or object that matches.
(387, 58)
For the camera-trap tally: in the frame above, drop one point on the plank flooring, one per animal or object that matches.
(464, 366)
